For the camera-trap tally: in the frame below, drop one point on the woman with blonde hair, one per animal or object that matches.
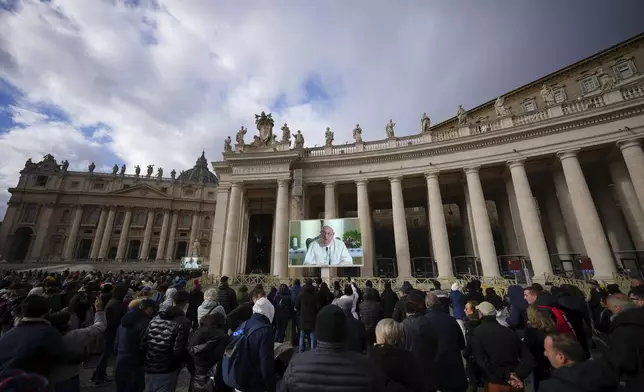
(399, 366)
(538, 326)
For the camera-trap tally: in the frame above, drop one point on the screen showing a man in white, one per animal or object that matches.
(328, 250)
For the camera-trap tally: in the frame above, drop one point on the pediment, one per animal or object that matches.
(142, 190)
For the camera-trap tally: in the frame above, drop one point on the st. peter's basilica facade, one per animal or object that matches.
(548, 178)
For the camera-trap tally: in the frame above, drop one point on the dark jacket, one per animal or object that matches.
(388, 300)
(588, 376)
(578, 315)
(196, 299)
(448, 361)
(422, 341)
(325, 297)
(283, 307)
(370, 311)
(129, 338)
(498, 351)
(227, 297)
(206, 349)
(239, 315)
(342, 371)
(262, 362)
(166, 341)
(401, 372)
(356, 334)
(399, 310)
(114, 312)
(518, 308)
(626, 352)
(306, 306)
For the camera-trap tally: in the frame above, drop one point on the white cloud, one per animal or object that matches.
(159, 82)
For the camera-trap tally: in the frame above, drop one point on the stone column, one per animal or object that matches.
(469, 235)
(522, 247)
(438, 227)
(634, 159)
(98, 237)
(364, 214)
(629, 203)
(7, 225)
(570, 220)
(172, 235)
(329, 201)
(590, 226)
(530, 222)
(107, 233)
(557, 225)
(484, 239)
(504, 211)
(70, 245)
(280, 268)
(243, 243)
(43, 230)
(125, 232)
(163, 236)
(401, 239)
(194, 231)
(232, 230)
(218, 233)
(147, 235)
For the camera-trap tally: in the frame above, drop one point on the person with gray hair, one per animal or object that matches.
(209, 305)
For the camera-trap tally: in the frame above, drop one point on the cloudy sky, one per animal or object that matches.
(155, 82)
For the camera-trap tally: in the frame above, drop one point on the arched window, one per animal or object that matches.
(30, 215)
(158, 219)
(64, 218)
(206, 222)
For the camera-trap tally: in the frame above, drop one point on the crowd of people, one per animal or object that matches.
(347, 338)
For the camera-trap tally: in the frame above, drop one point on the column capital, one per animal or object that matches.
(283, 182)
(236, 184)
(329, 184)
(471, 169)
(516, 162)
(362, 182)
(568, 154)
(430, 174)
(627, 143)
(394, 179)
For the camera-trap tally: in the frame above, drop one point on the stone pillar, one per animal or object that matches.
(469, 235)
(232, 230)
(570, 220)
(364, 214)
(557, 225)
(43, 230)
(98, 237)
(634, 159)
(70, 245)
(401, 239)
(522, 247)
(125, 232)
(530, 222)
(438, 227)
(484, 239)
(590, 226)
(147, 235)
(329, 201)
(629, 203)
(194, 231)
(280, 266)
(172, 235)
(163, 236)
(511, 245)
(243, 243)
(218, 232)
(7, 225)
(107, 233)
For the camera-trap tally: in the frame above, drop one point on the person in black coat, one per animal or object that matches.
(330, 367)
(306, 306)
(226, 296)
(448, 362)
(244, 311)
(370, 314)
(420, 338)
(400, 369)
(196, 299)
(128, 370)
(356, 333)
(399, 309)
(283, 312)
(471, 369)
(388, 300)
(206, 348)
(114, 312)
(325, 296)
(577, 312)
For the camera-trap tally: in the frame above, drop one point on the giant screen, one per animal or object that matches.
(325, 243)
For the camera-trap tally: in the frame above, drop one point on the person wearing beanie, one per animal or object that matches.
(399, 309)
(388, 299)
(330, 366)
(260, 340)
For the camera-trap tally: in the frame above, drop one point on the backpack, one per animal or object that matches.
(236, 362)
(561, 321)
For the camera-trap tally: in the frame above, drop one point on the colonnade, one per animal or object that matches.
(571, 214)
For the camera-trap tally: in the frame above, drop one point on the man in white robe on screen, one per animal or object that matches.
(328, 250)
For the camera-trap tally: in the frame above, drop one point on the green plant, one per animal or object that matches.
(352, 239)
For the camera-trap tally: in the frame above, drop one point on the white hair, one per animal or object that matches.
(210, 294)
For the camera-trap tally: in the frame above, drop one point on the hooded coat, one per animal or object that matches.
(208, 307)
(518, 308)
(626, 353)
(206, 348)
(227, 297)
(166, 341)
(306, 306)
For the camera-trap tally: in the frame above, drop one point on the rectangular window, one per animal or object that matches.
(98, 185)
(211, 195)
(529, 106)
(74, 185)
(188, 192)
(560, 95)
(41, 180)
(624, 70)
(164, 189)
(589, 84)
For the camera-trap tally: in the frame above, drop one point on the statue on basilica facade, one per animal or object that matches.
(425, 123)
(29, 162)
(328, 137)
(65, 165)
(137, 170)
(607, 82)
(123, 170)
(286, 134)
(173, 173)
(500, 108)
(265, 125)
(160, 173)
(150, 170)
(239, 138)
(299, 139)
(115, 169)
(357, 134)
(228, 143)
(389, 129)
(461, 114)
(196, 247)
(91, 167)
(547, 95)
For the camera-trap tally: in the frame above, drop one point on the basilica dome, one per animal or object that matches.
(200, 172)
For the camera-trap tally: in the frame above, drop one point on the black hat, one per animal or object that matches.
(331, 325)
